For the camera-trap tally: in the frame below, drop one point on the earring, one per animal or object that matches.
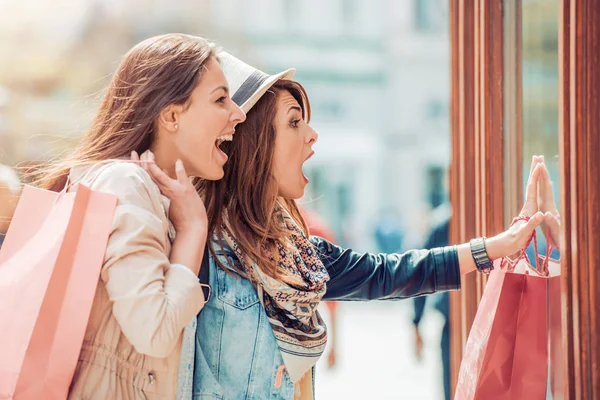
(176, 127)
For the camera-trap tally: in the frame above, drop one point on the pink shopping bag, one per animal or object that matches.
(507, 352)
(49, 269)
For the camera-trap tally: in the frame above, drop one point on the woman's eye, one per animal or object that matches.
(295, 123)
(221, 99)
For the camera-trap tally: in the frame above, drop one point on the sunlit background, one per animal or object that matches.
(377, 74)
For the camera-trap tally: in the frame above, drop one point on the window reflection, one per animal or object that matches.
(430, 15)
(535, 49)
(540, 90)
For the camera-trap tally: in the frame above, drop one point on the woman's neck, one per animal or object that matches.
(165, 156)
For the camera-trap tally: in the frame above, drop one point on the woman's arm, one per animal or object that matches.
(364, 276)
(356, 276)
(152, 299)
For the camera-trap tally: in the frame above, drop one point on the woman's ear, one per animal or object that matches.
(170, 116)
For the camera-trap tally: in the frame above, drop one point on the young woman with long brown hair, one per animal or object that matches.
(261, 334)
(168, 100)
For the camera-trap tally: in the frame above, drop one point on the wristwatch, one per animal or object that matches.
(480, 255)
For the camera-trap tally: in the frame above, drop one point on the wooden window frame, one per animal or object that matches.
(579, 103)
(485, 165)
(477, 171)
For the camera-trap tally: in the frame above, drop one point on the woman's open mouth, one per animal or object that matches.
(220, 140)
(301, 169)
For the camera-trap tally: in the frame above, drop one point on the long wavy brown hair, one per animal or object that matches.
(248, 193)
(154, 74)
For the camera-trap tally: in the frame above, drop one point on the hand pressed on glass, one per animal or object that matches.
(551, 223)
(518, 235)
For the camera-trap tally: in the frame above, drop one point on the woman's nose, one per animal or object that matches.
(237, 114)
(312, 136)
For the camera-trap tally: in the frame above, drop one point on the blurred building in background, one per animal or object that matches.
(377, 73)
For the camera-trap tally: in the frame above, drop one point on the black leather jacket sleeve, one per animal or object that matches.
(365, 276)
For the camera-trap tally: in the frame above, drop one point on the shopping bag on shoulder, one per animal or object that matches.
(49, 269)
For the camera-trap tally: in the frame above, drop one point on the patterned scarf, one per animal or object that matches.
(291, 302)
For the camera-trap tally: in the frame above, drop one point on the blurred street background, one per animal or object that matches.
(376, 71)
(376, 357)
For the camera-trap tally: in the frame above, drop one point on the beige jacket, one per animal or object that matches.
(133, 340)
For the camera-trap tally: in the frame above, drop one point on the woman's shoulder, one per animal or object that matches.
(122, 173)
(129, 181)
